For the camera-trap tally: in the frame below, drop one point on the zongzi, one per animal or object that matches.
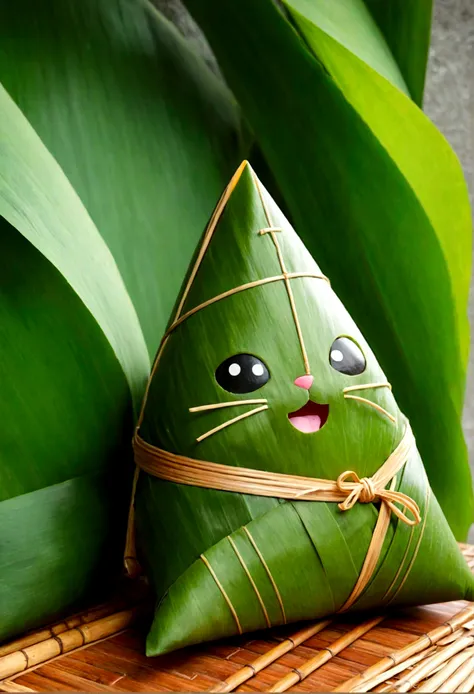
(278, 480)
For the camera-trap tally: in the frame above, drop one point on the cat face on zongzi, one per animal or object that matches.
(285, 351)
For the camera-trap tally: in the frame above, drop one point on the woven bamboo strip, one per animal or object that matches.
(12, 681)
(396, 670)
(58, 628)
(452, 637)
(420, 644)
(386, 687)
(437, 680)
(389, 684)
(324, 655)
(458, 677)
(25, 658)
(431, 668)
(248, 671)
(385, 680)
(467, 685)
(10, 686)
(426, 668)
(467, 550)
(436, 672)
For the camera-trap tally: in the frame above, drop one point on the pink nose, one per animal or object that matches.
(304, 382)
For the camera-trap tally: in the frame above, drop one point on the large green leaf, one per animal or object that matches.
(65, 406)
(360, 214)
(66, 416)
(406, 27)
(59, 545)
(146, 134)
(71, 354)
(411, 140)
(350, 23)
(37, 199)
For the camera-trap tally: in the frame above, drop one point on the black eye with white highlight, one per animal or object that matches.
(347, 357)
(242, 373)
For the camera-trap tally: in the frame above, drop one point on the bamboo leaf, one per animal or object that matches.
(37, 199)
(360, 215)
(127, 111)
(350, 23)
(146, 134)
(66, 416)
(406, 27)
(72, 353)
(66, 535)
(415, 146)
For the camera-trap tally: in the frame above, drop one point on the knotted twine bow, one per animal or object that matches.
(366, 491)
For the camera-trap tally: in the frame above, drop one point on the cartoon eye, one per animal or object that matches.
(242, 373)
(347, 357)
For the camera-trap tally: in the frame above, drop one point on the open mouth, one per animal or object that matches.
(309, 418)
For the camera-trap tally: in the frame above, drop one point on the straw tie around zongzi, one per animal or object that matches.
(200, 473)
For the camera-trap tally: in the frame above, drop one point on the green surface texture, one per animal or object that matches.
(145, 132)
(314, 551)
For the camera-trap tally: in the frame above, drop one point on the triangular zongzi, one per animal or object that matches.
(278, 479)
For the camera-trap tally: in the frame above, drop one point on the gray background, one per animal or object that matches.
(449, 102)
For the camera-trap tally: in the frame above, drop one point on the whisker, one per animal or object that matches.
(366, 386)
(218, 405)
(372, 404)
(231, 421)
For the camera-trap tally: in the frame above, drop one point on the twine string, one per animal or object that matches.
(268, 572)
(205, 560)
(367, 386)
(229, 422)
(284, 277)
(200, 473)
(271, 229)
(232, 403)
(366, 492)
(252, 582)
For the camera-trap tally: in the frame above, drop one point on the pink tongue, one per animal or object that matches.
(307, 423)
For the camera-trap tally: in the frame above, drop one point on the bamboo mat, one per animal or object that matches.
(423, 649)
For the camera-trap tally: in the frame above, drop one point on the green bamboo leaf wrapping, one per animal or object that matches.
(329, 531)
(407, 28)
(239, 562)
(145, 133)
(364, 212)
